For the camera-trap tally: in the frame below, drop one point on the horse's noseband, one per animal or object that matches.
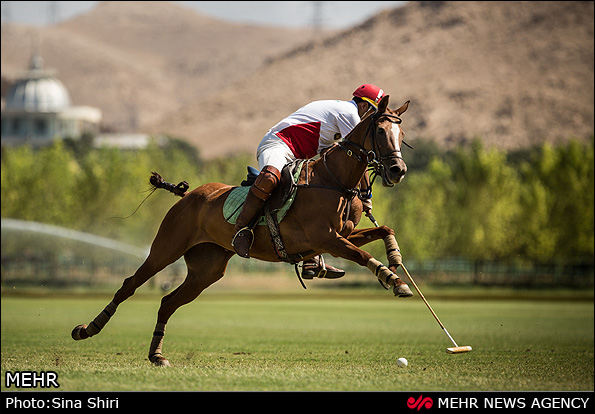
(373, 158)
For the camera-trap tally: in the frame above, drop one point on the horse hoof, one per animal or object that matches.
(159, 361)
(79, 333)
(162, 362)
(402, 291)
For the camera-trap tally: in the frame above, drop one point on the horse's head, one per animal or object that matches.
(383, 142)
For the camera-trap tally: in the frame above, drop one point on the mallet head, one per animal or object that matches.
(458, 349)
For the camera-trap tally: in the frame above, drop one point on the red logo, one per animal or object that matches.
(420, 403)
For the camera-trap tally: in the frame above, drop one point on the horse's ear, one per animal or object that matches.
(383, 104)
(403, 108)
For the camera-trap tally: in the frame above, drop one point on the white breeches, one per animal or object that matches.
(273, 151)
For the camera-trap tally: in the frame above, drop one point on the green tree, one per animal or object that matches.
(484, 204)
(557, 203)
(418, 212)
(39, 185)
(473, 202)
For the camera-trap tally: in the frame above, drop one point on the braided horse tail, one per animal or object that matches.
(157, 182)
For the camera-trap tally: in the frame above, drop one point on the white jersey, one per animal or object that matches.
(314, 127)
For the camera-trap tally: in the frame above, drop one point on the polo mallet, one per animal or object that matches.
(453, 350)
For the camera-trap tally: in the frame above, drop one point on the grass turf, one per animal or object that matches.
(305, 342)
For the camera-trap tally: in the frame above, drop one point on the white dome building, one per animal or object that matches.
(39, 109)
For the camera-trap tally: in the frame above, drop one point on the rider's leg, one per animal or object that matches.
(261, 190)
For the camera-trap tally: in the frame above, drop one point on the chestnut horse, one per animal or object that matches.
(196, 229)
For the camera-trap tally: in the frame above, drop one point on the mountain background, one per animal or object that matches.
(515, 74)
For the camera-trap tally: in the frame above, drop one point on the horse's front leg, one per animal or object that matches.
(364, 236)
(339, 246)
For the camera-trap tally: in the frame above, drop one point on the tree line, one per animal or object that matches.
(535, 205)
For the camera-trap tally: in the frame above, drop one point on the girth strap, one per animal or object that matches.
(278, 242)
(279, 247)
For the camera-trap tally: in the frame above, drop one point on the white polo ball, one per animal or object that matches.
(402, 362)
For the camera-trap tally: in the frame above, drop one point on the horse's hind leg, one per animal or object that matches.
(165, 250)
(147, 270)
(206, 264)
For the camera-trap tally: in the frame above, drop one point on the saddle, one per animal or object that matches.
(275, 208)
(278, 203)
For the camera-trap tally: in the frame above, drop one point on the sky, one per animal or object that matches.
(295, 14)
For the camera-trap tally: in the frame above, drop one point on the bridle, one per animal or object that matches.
(374, 157)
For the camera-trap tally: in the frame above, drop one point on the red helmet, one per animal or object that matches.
(369, 93)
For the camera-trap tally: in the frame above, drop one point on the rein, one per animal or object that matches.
(370, 158)
(351, 192)
(373, 161)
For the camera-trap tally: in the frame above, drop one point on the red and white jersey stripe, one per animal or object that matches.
(316, 126)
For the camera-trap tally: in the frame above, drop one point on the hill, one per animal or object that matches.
(138, 60)
(513, 73)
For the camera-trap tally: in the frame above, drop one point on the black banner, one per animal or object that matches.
(406, 401)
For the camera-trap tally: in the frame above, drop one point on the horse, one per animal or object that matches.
(316, 223)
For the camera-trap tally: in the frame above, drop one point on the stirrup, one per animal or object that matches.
(241, 235)
(243, 232)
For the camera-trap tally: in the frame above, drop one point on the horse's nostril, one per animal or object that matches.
(397, 171)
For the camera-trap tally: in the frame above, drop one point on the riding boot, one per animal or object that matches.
(316, 267)
(242, 241)
(261, 190)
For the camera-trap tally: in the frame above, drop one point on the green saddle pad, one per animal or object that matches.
(235, 201)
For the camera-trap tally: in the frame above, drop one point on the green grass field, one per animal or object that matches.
(305, 341)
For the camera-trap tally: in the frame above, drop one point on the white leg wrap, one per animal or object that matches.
(393, 253)
(157, 341)
(382, 272)
(99, 322)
